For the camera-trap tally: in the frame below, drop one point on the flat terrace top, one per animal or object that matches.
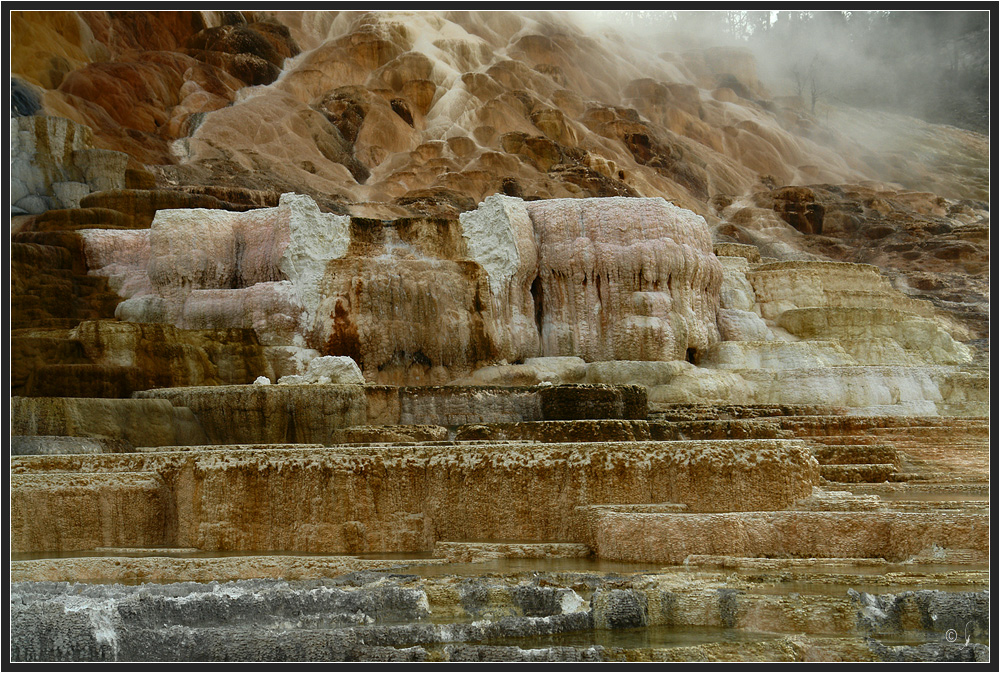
(736, 450)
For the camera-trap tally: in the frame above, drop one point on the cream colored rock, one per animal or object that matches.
(776, 355)
(782, 286)
(921, 338)
(69, 193)
(566, 369)
(699, 385)
(737, 292)
(648, 374)
(870, 390)
(500, 237)
(882, 352)
(738, 325)
(822, 373)
(327, 369)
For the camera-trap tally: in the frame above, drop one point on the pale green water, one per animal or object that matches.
(819, 588)
(665, 637)
(932, 496)
(506, 566)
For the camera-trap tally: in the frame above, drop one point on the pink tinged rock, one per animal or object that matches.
(122, 256)
(213, 268)
(625, 279)
(270, 309)
(602, 279)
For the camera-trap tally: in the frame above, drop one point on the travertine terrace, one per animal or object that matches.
(475, 336)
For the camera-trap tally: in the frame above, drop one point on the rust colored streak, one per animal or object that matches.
(343, 339)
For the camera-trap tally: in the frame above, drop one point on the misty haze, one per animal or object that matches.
(929, 64)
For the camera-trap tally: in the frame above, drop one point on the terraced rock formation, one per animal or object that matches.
(474, 336)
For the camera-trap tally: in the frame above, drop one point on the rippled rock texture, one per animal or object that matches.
(434, 111)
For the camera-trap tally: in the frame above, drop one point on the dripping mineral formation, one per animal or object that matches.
(604, 279)
(477, 336)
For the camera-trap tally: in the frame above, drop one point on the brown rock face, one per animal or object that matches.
(122, 32)
(140, 205)
(49, 282)
(107, 358)
(372, 299)
(137, 77)
(66, 344)
(797, 206)
(398, 498)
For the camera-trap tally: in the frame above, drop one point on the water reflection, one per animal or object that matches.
(638, 638)
(510, 566)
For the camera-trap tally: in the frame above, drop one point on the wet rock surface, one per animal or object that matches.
(373, 616)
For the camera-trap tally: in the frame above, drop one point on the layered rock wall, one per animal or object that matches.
(780, 286)
(309, 412)
(139, 422)
(671, 538)
(368, 498)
